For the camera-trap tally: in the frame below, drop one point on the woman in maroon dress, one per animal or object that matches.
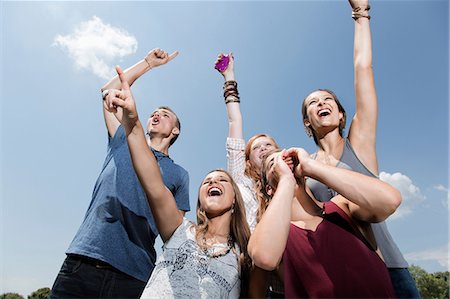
(327, 249)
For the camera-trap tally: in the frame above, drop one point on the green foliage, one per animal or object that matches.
(431, 285)
(11, 296)
(41, 293)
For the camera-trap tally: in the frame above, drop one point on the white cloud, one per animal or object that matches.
(440, 188)
(440, 255)
(411, 194)
(94, 46)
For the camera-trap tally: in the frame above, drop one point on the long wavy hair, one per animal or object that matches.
(239, 231)
(310, 131)
(255, 175)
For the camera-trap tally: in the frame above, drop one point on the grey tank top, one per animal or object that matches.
(391, 254)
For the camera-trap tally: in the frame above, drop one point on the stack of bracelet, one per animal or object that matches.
(230, 92)
(361, 12)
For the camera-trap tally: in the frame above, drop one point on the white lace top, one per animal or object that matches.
(183, 270)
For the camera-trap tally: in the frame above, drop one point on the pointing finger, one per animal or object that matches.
(123, 81)
(173, 55)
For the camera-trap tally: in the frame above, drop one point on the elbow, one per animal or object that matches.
(363, 66)
(393, 199)
(262, 258)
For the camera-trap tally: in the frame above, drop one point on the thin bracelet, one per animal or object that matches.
(149, 65)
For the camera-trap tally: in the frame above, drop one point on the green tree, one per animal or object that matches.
(431, 285)
(41, 293)
(11, 296)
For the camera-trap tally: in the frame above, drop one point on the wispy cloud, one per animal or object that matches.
(444, 189)
(441, 188)
(94, 46)
(439, 255)
(410, 193)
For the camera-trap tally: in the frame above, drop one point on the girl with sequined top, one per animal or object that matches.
(207, 259)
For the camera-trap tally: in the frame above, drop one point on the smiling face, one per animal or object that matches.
(216, 194)
(321, 109)
(259, 147)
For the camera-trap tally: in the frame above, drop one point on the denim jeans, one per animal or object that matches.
(79, 277)
(403, 283)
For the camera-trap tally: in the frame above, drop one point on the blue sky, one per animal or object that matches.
(55, 56)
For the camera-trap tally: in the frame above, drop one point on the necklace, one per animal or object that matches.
(216, 249)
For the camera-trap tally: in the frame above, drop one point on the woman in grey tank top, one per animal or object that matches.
(324, 119)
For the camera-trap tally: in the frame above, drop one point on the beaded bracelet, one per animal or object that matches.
(232, 99)
(361, 12)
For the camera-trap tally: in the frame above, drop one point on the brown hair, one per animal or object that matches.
(239, 230)
(309, 131)
(265, 198)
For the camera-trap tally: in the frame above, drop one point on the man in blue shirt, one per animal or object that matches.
(112, 254)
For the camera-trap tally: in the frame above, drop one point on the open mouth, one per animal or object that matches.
(324, 112)
(214, 191)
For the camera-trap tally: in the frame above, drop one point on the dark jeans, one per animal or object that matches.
(403, 283)
(82, 277)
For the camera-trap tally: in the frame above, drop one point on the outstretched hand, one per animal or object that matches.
(157, 57)
(122, 101)
(228, 74)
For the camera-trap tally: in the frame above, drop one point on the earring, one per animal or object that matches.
(232, 208)
(308, 131)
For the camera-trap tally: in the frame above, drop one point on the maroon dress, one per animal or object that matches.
(335, 261)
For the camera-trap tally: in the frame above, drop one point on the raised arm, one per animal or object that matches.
(362, 132)
(163, 205)
(365, 198)
(268, 241)
(235, 140)
(154, 58)
(232, 104)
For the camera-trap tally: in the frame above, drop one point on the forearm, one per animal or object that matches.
(374, 198)
(144, 161)
(131, 75)
(161, 201)
(362, 45)
(268, 241)
(233, 112)
(364, 79)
